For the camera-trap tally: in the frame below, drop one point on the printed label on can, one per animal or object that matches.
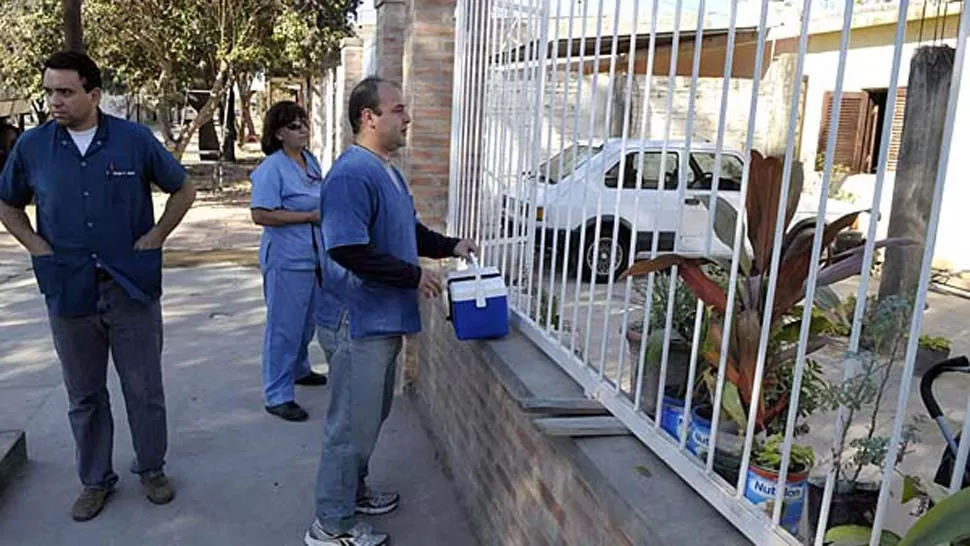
(760, 490)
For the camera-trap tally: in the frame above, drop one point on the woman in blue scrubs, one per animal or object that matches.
(286, 202)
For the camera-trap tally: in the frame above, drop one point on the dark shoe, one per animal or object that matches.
(90, 502)
(375, 504)
(290, 411)
(158, 488)
(312, 379)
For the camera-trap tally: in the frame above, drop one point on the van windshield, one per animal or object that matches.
(571, 156)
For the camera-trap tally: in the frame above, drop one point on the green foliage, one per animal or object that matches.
(768, 455)
(935, 343)
(30, 31)
(945, 523)
(863, 392)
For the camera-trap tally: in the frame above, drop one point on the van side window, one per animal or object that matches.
(701, 174)
(650, 177)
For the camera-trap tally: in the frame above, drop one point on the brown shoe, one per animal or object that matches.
(158, 488)
(90, 502)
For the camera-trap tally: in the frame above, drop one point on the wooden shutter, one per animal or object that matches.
(897, 129)
(851, 133)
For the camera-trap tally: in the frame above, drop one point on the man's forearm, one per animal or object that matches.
(265, 217)
(18, 224)
(175, 208)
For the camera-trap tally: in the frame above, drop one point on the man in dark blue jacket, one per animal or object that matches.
(98, 261)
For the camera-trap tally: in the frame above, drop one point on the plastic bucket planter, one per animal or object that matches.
(760, 488)
(672, 415)
(727, 458)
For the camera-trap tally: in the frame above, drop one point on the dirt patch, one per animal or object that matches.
(245, 257)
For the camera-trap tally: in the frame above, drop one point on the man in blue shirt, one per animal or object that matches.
(372, 278)
(97, 259)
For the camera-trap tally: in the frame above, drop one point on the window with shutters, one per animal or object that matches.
(896, 138)
(849, 140)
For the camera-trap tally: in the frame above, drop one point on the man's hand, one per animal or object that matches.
(40, 248)
(465, 248)
(430, 285)
(314, 217)
(149, 241)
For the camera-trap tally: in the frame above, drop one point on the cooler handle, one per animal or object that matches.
(479, 289)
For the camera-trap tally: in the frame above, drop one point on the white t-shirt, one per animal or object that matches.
(82, 139)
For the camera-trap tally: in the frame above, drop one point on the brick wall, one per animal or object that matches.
(391, 23)
(518, 486)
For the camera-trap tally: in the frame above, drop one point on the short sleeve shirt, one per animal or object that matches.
(362, 204)
(280, 183)
(91, 208)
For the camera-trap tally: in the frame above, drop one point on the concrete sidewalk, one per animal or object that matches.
(243, 477)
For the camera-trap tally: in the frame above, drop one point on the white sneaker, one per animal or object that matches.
(360, 535)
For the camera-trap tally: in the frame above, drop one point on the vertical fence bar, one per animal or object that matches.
(508, 223)
(679, 222)
(607, 124)
(812, 281)
(576, 115)
(469, 98)
(858, 313)
(540, 61)
(661, 182)
(485, 194)
(457, 118)
(481, 75)
(738, 239)
(768, 312)
(716, 181)
(522, 208)
(591, 135)
(960, 466)
(559, 170)
(553, 47)
(637, 373)
(925, 274)
(500, 132)
(624, 137)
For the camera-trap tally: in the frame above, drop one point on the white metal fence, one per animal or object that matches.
(729, 337)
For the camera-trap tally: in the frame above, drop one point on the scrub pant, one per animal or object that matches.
(290, 303)
(362, 373)
(132, 331)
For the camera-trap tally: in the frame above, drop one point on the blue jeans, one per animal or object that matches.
(132, 331)
(290, 298)
(362, 375)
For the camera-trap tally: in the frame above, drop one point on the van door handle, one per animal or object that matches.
(692, 201)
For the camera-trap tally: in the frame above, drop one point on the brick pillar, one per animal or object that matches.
(349, 73)
(391, 21)
(428, 69)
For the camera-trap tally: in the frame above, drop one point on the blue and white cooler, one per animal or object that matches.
(478, 302)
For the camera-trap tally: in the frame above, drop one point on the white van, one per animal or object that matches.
(566, 200)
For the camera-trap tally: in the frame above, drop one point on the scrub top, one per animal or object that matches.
(280, 183)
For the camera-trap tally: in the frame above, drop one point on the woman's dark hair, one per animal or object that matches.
(87, 70)
(278, 116)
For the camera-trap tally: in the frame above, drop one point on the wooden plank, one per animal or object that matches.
(564, 406)
(581, 426)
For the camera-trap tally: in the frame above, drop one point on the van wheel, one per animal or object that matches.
(600, 250)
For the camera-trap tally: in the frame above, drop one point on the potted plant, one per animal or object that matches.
(763, 479)
(678, 352)
(945, 523)
(762, 207)
(931, 351)
(855, 494)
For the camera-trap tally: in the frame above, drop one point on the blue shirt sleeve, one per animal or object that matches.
(14, 188)
(267, 186)
(346, 209)
(164, 170)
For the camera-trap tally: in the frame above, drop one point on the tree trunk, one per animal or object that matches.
(73, 31)
(205, 113)
(229, 126)
(246, 128)
(208, 137)
(927, 93)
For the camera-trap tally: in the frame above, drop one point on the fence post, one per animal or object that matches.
(931, 71)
